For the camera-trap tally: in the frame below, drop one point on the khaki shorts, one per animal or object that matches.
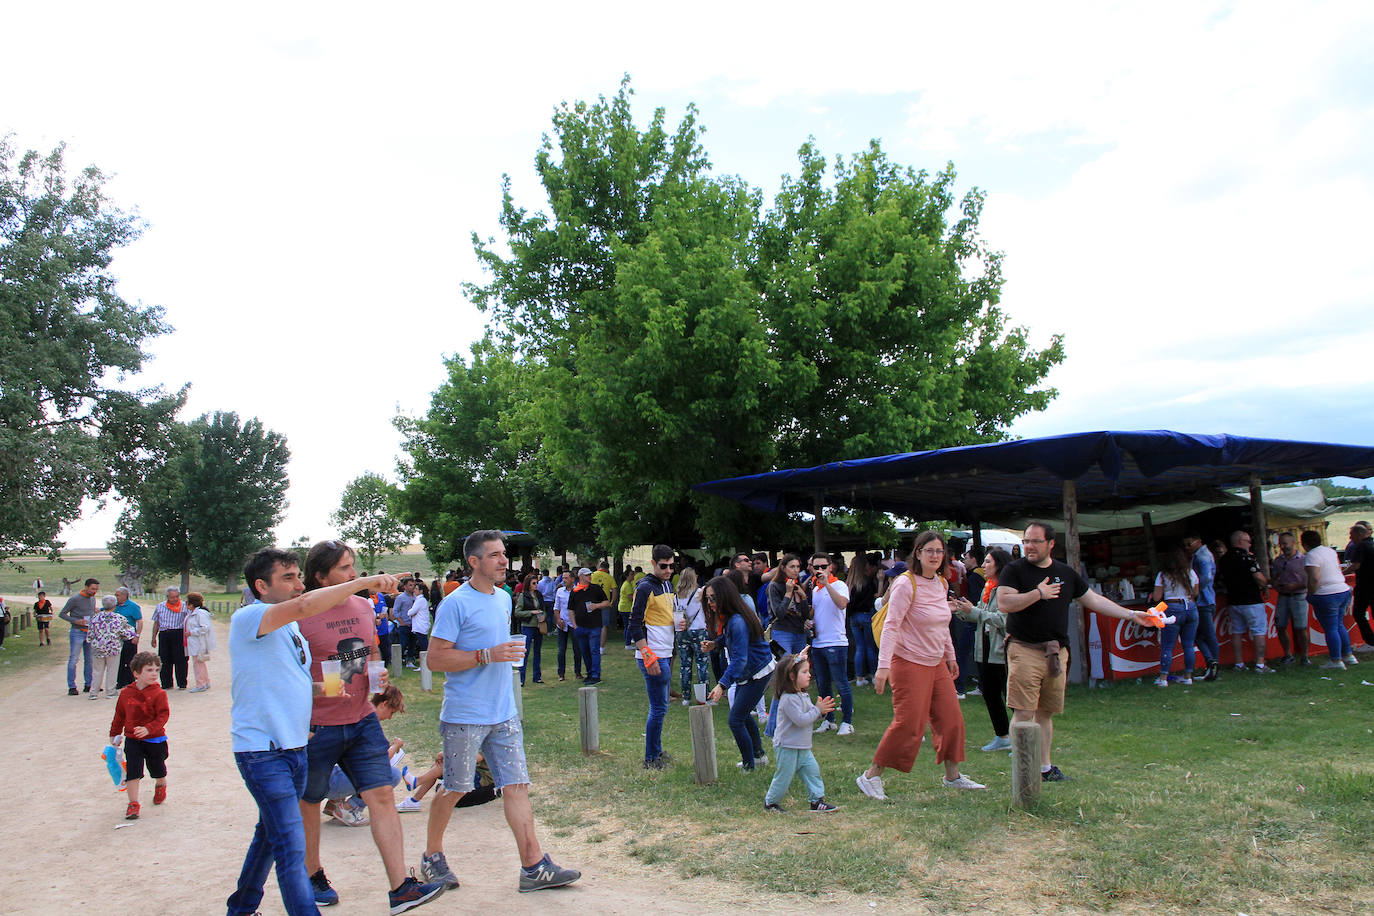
(1029, 685)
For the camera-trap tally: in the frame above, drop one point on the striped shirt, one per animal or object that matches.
(167, 619)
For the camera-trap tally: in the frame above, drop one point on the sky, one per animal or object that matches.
(1183, 190)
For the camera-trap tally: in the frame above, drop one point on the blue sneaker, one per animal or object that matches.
(324, 894)
(411, 894)
(545, 874)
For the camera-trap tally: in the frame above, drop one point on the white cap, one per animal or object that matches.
(584, 571)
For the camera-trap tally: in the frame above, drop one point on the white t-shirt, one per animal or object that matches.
(1172, 590)
(419, 615)
(690, 609)
(830, 628)
(1329, 578)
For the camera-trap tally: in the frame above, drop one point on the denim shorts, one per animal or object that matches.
(1291, 608)
(502, 745)
(360, 750)
(1249, 618)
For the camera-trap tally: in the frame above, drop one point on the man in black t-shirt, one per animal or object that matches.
(1359, 559)
(585, 604)
(1245, 584)
(1035, 592)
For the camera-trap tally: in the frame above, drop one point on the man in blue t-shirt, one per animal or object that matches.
(471, 641)
(271, 693)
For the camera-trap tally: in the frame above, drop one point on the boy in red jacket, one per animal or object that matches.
(140, 716)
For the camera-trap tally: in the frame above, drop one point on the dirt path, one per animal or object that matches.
(69, 849)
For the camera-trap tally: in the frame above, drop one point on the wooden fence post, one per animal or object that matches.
(519, 693)
(703, 744)
(426, 676)
(587, 720)
(1025, 763)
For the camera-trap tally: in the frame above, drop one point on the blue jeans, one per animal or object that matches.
(534, 648)
(625, 626)
(790, 761)
(565, 637)
(1186, 628)
(276, 780)
(830, 673)
(792, 643)
(657, 687)
(742, 724)
(588, 640)
(865, 649)
(77, 644)
(690, 656)
(1207, 633)
(1330, 611)
(961, 631)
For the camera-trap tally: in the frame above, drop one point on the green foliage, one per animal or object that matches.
(68, 431)
(654, 329)
(212, 502)
(367, 517)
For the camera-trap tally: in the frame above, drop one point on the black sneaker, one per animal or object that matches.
(411, 894)
(823, 806)
(545, 874)
(1053, 774)
(592, 681)
(658, 763)
(86, 689)
(774, 808)
(324, 894)
(73, 692)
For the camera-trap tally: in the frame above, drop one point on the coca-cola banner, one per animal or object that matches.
(1133, 651)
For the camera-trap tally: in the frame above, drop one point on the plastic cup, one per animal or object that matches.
(375, 670)
(700, 691)
(333, 681)
(520, 663)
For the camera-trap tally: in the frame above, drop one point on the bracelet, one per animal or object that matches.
(483, 656)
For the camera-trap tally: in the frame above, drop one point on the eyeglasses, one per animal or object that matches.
(299, 648)
(665, 565)
(1029, 541)
(932, 553)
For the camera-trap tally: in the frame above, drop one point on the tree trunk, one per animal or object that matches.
(185, 576)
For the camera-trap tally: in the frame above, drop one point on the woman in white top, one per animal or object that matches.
(690, 620)
(1328, 594)
(1177, 584)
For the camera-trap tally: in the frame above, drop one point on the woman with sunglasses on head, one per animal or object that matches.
(916, 654)
(750, 664)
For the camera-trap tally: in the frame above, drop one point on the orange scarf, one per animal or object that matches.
(579, 586)
(828, 579)
(987, 589)
(174, 608)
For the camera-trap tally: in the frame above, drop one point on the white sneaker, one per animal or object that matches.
(1362, 648)
(686, 702)
(872, 786)
(825, 726)
(1161, 682)
(1334, 665)
(959, 696)
(845, 729)
(962, 782)
(408, 804)
(861, 682)
(1351, 659)
(975, 692)
(998, 743)
(758, 762)
(1186, 682)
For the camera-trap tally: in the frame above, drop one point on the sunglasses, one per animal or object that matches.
(299, 648)
(665, 565)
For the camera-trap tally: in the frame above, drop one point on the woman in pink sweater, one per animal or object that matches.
(916, 655)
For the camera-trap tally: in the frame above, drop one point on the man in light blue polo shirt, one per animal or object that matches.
(271, 692)
(471, 641)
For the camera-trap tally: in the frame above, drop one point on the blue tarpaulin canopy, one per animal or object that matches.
(1025, 478)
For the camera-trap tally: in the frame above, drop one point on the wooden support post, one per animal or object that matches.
(818, 523)
(1078, 631)
(977, 534)
(426, 676)
(703, 744)
(519, 693)
(1260, 524)
(1151, 553)
(1025, 763)
(586, 720)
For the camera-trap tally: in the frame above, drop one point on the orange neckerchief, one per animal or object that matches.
(828, 579)
(174, 608)
(579, 586)
(987, 589)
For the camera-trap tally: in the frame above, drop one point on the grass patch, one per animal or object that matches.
(1174, 804)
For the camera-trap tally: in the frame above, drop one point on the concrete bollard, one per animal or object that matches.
(1025, 763)
(426, 676)
(587, 720)
(703, 732)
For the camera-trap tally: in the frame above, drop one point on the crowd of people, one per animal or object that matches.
(935, 626)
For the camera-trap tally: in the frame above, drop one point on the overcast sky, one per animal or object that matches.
(1182, 190)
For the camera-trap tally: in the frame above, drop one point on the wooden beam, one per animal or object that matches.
(1025, 764)
(818, 523)
(1148, 524)
(587, 720)
(1260, 523)
(703, 734)
(1078, 634)
(977, 534)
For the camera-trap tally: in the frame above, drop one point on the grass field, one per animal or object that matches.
(1248, 795)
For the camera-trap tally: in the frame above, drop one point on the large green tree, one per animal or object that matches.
(665, 330)
(71, 427)
(212, 502)
(367, 517)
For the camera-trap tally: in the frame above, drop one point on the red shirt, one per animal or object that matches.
(346, 634)
(147, 707)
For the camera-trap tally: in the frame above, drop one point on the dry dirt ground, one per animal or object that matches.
(68, 848)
